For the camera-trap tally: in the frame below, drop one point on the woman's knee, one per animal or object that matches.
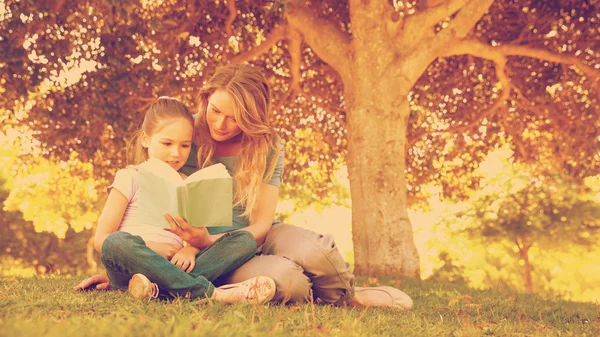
(290, 241)
(310, 250)
(292, 284)
(318, 256)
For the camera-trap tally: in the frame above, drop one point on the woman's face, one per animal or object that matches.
(220, 118)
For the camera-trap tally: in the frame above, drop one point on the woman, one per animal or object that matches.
(233, 128)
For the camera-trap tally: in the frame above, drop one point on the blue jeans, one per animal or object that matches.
(124, 254)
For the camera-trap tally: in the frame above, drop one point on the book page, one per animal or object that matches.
(216, 171)
(208, 202)
(156, 194)
(161, 169)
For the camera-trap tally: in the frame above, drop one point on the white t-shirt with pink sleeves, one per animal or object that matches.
(126, 182)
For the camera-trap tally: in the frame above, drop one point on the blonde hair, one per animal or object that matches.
(250, 92)
(164, 110)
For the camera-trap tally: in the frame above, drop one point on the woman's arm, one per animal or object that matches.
(111, 217)
(263, 213)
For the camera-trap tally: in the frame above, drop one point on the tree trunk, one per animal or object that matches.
(524, 254)
(382, 233)
(92, 265)
(528, 270)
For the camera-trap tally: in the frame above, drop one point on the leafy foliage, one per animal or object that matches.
(521, 218)
(22, 245)
(56, 197)
(79, 76)
(551, 211)
(552, 108)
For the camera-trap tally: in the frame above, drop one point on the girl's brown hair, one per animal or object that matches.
(165, 109)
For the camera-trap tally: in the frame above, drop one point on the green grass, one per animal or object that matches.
(48, 307)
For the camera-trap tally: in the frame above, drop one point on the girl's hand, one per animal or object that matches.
(167, 250)
(197, 237)
(98, 282)
(185, 258)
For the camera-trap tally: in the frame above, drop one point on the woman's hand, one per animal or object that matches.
(185, 258)
(167, 250)
(197, 237)
(98, 282)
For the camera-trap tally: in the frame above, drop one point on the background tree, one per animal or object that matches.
(47, 210)
(23, 245)
(403, 92)
(522, 210)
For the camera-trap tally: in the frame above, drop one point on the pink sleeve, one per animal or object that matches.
(125, 182)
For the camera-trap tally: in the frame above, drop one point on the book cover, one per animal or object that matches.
(203, 199)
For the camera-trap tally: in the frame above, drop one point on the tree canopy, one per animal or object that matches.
(80, 74)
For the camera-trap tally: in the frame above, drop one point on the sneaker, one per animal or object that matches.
(140, 287)
(259, 290)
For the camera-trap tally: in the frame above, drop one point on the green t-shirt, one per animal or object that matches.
(230, 163)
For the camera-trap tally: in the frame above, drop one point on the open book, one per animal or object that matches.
(202, 199)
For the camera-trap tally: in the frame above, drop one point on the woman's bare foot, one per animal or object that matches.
(260, 289)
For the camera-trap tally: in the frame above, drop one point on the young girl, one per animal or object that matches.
(135, 253)
(233, 128)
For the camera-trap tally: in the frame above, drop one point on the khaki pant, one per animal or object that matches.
(303, 263)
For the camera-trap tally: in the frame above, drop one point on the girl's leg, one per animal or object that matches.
(318, 256)
(124, 255)
(228, 253)
(292, 285)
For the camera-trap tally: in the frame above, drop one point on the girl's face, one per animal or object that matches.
(172, 143)
(219, 116)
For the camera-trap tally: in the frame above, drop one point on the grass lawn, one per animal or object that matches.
(48, 307)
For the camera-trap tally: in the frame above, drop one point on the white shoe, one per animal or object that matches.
(141, 287)
(382, 297)
(259, 290)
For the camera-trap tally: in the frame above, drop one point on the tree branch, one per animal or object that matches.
(369, 5)
(468, 16)
(431, 16)
(295, 48)
(499, 56)
(232, 15)
(518, 245)
(429, 43)
(328, 41)
(367, 16)
(485, 51)
(519, 50)
(476, 48)
(294, 39)
(276, 35)
(58, 5)
(331, 44)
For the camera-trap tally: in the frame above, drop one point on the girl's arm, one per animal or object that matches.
(111, 217)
